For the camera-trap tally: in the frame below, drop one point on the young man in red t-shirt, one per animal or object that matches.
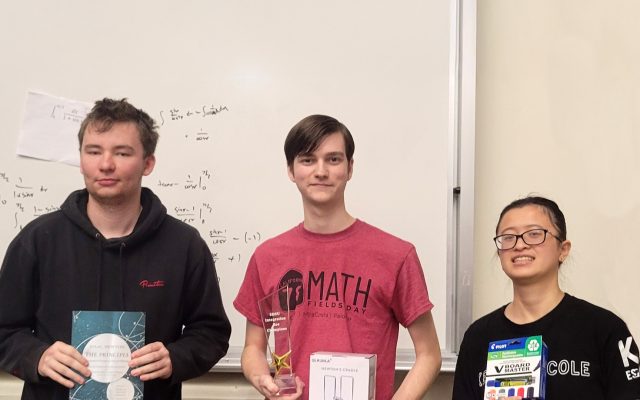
(352, 284)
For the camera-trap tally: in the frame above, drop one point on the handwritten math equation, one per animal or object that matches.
(179, 114)
(178, 117)
(221, 237)
(198, 181)
(65, 112)
(20, 201)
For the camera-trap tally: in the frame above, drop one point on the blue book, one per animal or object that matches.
(107, 339)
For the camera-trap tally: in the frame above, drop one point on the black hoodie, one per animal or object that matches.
(59, 263)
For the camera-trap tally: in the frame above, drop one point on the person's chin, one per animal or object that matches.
(520, 272)
(319, 200)
(107, 196)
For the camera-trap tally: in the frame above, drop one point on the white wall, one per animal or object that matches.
(558, 113)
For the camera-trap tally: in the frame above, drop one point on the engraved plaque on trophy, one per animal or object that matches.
(276, 320)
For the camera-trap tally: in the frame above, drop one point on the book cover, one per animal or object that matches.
(107, 339)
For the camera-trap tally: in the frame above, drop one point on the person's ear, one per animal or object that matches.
(292, 177)
(565, 249)
(149, 163)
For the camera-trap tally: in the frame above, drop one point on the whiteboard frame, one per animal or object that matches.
(460, 275)
(462, 83)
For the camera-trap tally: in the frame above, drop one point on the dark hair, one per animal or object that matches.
(306, 136)
(549, 207)
(106, 112)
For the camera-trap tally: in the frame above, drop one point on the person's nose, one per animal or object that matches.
(321, 170)
(106, 162)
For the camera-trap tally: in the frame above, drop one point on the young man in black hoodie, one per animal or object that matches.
(110, 247)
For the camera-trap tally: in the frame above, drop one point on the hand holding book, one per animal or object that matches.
(64, 364)
(151, 362)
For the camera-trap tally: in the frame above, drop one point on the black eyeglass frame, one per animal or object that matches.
(521, 236)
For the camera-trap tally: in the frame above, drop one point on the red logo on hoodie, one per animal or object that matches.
(151, 284)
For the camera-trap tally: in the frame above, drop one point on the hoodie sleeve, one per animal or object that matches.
(20, 350)
(205, 337)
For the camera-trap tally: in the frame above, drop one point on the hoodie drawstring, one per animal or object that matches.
(99, 274)
(123, 245)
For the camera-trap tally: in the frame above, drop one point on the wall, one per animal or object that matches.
(558, 114)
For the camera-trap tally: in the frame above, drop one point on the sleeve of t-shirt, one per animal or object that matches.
(620, 352)
(246, 302)
(410, 297)
(468, 381)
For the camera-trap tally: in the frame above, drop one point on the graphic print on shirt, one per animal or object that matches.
(324, 292)
(575, 368)
(629, 360)
(292, 278)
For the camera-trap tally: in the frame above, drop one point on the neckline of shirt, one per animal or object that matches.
(330, 237)
(544, 320)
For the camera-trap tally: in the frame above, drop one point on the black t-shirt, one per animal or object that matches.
(592, 355)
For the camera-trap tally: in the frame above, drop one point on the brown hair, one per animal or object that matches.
(106, 112)
(306, 136)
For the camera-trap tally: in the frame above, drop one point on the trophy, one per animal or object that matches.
(274, 311)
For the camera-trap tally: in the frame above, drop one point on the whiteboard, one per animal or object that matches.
(226, 80)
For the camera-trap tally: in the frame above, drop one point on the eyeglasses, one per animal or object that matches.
(531, 237)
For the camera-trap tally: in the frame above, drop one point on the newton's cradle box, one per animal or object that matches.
(342, 376)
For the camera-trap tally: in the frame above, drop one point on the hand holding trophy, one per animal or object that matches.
(276, 320)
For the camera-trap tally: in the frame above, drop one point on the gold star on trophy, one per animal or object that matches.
(280, 362)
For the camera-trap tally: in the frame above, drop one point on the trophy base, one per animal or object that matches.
(286, 383)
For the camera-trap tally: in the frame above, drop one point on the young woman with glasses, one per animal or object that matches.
(592, 354)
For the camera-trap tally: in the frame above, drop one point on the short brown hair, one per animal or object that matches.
(107, 111)
(306, 136)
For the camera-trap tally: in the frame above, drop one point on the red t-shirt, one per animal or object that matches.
(350, 291)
